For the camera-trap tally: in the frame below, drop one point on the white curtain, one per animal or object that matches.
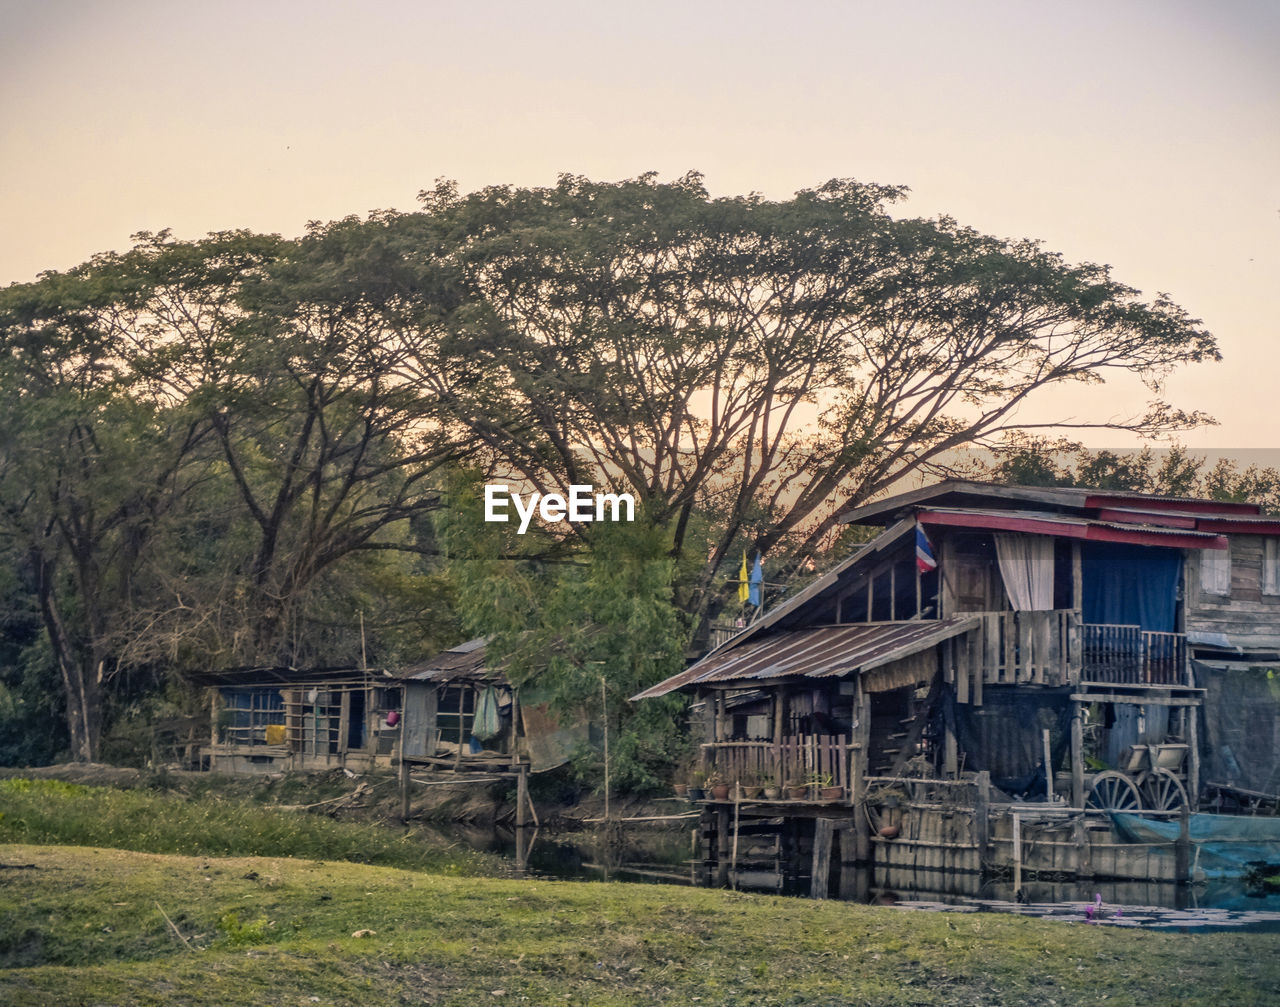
(1026, 566)
(1270, 566)
(1215, 571)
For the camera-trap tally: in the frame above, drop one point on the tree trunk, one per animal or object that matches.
(81, 673)
(84, 709)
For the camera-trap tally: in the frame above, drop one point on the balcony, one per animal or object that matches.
(1127, 655)
(1054, 648)
(797, 759)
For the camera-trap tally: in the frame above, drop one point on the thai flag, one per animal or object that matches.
(925, 560)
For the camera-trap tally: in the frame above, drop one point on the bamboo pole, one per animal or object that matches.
(1077, 754)
(1048, 766)
(737, 806)
(604, 706)
(1017, 852)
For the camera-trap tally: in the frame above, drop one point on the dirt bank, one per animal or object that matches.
(370, 797)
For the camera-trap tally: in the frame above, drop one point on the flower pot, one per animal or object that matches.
(751, 793)
(720, 792)
(681, 789)
(772, 793)
(697, 794)
(832, 793)
(888, 832)
(797, 793)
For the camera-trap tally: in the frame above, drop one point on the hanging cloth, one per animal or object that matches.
(487, 724)
(1131, 585)
(1026, 566)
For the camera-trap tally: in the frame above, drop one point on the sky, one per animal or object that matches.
(1144, 135)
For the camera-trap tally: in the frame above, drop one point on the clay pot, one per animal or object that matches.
(797, 793)
(720, 792)
(832, 793)
(681, 789)
(888, 832)
(751, 793)
(772, 793)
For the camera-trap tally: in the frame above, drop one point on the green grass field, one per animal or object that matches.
(93, 925)
(52, 811)
(87, 926)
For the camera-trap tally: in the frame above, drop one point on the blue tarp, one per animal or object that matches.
(1223, 846)
(1130, 585)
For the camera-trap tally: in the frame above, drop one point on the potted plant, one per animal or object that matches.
(772, 791)
(717, 787)
(697, 782)
(796, 790)
(823, 787)
(681, 789)
(751, 785)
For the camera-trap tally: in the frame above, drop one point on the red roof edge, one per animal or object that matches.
(1072, 529)
(1137, 501)
(1236, 526)
(1165, 520)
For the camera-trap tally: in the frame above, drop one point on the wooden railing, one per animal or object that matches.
(1126, 655)
(721, 633)
(795, 759)
(1053, 648)
(1042, 648)
(1165, 658)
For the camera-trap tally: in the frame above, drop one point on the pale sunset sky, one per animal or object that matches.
(1145, 135)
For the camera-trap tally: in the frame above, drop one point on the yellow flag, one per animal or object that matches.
(744, 587)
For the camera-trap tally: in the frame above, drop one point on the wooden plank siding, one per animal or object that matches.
(1247, 616)
(1023, 648)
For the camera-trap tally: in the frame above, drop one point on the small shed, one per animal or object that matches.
(462, 711)
(281, 719)
(459, 711)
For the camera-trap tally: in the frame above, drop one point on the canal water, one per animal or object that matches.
(645, 854)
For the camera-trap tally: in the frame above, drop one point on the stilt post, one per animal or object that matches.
(405, 784)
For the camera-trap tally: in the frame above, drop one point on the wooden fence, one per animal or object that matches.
(1042, 648)
(1125, 655)
(795, 759)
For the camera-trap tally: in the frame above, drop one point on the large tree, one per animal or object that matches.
(293, 355)
(214, 451)
(89, 472)
(756, 362)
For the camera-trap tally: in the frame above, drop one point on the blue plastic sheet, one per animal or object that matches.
(1223, 846)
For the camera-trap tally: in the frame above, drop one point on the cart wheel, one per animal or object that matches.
(1112, 791)
(1163, 791)
(875, 820)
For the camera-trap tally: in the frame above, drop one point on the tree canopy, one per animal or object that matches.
(226, 451)
(761, 363)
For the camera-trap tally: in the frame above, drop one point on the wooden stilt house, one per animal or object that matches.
(1042, 642)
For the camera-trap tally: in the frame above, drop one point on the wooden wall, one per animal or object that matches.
(1246, 615)
(970, 577)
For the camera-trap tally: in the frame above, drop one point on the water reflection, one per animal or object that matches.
(663, 855)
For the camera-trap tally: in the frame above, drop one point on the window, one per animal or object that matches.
(1271, 566)
(1215, 571)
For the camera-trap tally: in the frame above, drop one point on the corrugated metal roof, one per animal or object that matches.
(823, 652)
(970, 493)
(1070, 526)
(465, 662)
(266, 676)
(964, 492)
(885, 540)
